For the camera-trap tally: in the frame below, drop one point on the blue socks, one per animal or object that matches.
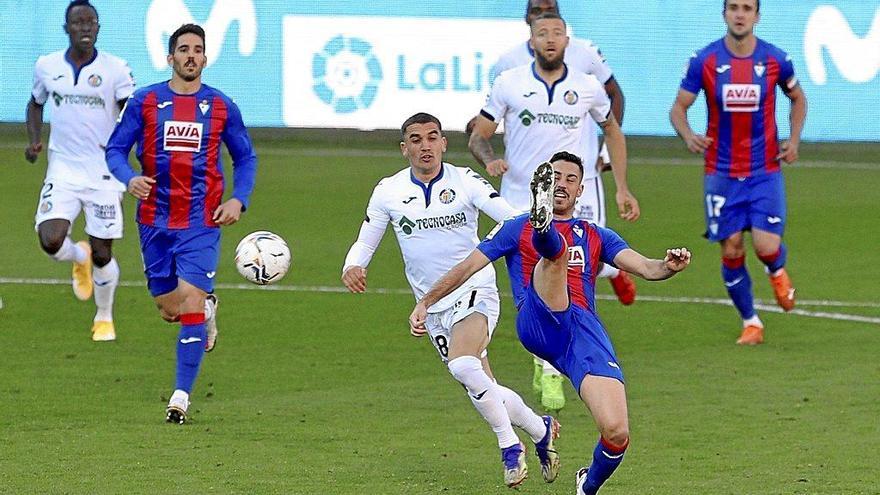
(606, 458)
(190, 349)
(548, 244)
(739, 285)
(776, 260)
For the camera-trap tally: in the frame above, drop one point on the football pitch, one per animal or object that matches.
(312, 390)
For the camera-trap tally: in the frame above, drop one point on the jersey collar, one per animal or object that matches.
(427, 189)
(76, 70)
(553, 87)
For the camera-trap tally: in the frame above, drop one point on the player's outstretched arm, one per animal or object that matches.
(676, 260)
(627, 204)
(453, 279)
(696, 143)
(481, 147)
(34, 124)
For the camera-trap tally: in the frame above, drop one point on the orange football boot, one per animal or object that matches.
(751, 335)
(783, 290)
(624, 287)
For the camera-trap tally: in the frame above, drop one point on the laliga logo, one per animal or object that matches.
(165, 16)
(346, 74)
(857, 59)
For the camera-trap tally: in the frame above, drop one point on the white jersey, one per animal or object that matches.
(84, 110)
(436, 225)
(541, 120)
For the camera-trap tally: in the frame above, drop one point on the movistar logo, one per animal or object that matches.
(857, 58)
(346, 74)
(406, 225)
(85, 100)
(526, 117)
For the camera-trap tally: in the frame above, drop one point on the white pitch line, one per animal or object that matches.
(759, 304)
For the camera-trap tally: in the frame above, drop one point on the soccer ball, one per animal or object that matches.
(262, 257)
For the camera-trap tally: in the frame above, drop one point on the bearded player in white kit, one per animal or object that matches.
(86, 89)
(545, 108)
(433, 208)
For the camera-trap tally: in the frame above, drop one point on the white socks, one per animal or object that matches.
(753, 321)
(484, 394)
(521, 415)
(70, 252)
(106, 279)
(608, 271)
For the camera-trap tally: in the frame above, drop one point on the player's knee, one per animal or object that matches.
(50, 243)
(464, 368)
(616, 433)
(101, 257)
(168, 314)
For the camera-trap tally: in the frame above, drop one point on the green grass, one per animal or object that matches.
(319, 393)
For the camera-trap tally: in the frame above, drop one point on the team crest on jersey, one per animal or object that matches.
(741, 97)
(95, 80)
(204, 106)
(576, 258)
(570, 97)
(578, 231)
(759, 69)
(182, 136)
(447, 196)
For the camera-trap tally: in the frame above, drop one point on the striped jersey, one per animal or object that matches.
(741, 97)
(178, 144)
(588, 245)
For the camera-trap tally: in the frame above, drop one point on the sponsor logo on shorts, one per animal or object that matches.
(105, 212)
(45, 207)
(210, 274)
(773, 220)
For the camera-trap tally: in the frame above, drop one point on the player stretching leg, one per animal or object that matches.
(178, 126)
(87, 89)
(553, 279)
(743, 183)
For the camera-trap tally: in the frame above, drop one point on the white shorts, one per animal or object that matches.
(102, 209)
(591, 205)
(483, 300)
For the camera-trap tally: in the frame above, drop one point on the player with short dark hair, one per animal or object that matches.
(552, 260)
(178, 126)
(85, 90)
(743, 184)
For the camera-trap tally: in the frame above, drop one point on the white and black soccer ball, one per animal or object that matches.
(262, 257)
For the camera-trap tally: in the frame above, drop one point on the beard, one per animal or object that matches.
(187, 76)
(547, 64)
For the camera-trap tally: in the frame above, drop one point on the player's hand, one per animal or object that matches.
(677, 259)
(697, 143)
(417, 320)
(355, 279)
(497, 167)
(228, 213)
(627, 205)
(788, 152)
(141, 186)
(33, 151)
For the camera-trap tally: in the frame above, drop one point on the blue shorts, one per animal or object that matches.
(733, 205)
(573, 341)
(169, 254)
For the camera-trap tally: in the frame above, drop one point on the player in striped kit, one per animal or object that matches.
(85, 89)
(743, 184)
(178, 126)
(552, 261)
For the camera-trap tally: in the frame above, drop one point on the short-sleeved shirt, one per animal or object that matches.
(83, 106)
(540, 120)
(435, 224)
(741, 97)
(588, 245)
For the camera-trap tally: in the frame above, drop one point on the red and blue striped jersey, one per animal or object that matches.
(178, 144)
(741, 98)
(588, 245)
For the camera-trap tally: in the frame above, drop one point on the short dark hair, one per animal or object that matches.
(529, 7)
(78, 3)
(757, 6)
(419, 118)
(547, 15)
(568, 157)
(185, 29)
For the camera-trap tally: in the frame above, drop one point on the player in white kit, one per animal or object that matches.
(545, 106)
(433, 208)
(85, 90)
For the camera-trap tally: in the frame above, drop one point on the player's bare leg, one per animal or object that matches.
(468, 340)
(606, 400)
(105, 277)
(739, 287)
(55, 241)
(773, 253)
